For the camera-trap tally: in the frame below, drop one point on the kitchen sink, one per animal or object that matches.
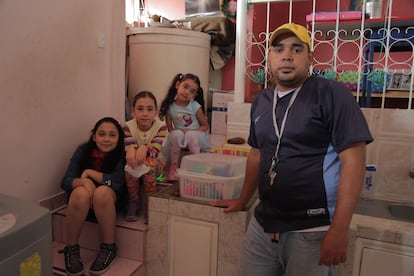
(386, 209)
(401, 211)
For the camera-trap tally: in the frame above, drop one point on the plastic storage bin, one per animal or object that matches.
(209, 187)
(208, 176)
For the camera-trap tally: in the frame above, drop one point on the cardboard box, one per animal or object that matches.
(219, 112)
(238, 120)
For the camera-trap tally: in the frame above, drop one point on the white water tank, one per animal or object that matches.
(157, 54)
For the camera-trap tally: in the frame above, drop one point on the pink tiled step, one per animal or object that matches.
(121, 266)
(129, 237)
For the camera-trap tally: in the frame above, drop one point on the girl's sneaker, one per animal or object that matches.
(172, 174)
(73, 262)
(132, 211)
(105, 258)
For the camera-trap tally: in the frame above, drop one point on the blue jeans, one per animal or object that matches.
(296, 253)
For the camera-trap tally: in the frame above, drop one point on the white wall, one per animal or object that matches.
(55, 83)
(171, 9)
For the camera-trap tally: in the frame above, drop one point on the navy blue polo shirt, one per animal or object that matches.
(323, 121)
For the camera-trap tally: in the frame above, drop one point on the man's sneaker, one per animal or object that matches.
(73, 262)
(105, 258)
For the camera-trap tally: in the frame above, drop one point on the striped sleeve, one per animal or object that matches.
(129, 140)
(154, 147)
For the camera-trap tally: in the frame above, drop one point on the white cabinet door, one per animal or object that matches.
(192, 247)
(382, 259)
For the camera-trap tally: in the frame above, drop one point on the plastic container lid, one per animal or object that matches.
(214, 164)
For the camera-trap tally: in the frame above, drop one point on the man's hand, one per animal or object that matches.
(334, 247)
(232, 205)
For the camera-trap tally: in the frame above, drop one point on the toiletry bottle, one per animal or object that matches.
(369, 183)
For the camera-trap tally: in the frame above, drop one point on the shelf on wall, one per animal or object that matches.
(364, 38)
(389, 94)
(270, 1)
(368, 23)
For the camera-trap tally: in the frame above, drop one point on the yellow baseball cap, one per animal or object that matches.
(298, 30)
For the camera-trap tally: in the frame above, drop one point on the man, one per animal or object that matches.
(308, 141)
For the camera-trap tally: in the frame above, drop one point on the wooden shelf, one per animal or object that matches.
(368, 23)
(388, 94)
(270, 1)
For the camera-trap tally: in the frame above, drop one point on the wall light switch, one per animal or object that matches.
(101, 40)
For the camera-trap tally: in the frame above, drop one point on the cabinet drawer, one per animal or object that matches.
(382, 258)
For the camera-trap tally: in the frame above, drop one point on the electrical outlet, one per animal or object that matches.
(101, 40)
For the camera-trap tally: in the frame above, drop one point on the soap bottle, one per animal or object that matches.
(369, 182)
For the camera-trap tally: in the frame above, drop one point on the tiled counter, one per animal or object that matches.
(164, 204)
(370, 221)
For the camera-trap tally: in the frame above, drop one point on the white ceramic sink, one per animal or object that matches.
(402, 211)
(386, 209)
